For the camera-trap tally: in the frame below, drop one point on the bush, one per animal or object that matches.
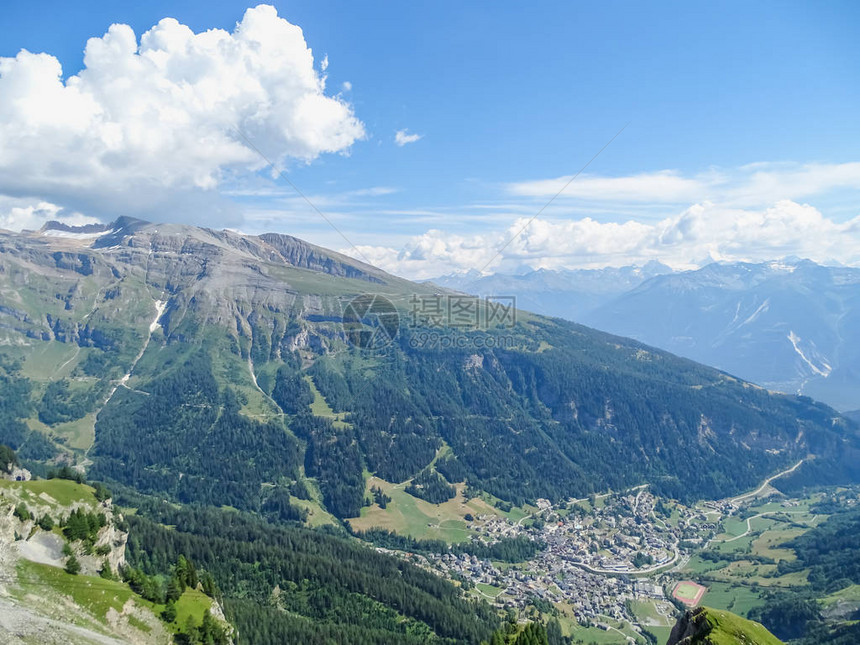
(22, 513)
(106, 572)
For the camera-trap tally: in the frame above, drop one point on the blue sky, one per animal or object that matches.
(511, 99)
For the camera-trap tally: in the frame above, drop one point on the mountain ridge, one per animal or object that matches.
(250, 331)
(789, 325)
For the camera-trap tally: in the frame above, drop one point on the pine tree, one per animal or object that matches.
(72, 565)
(22, 513)
(174, 590)
(169, 613)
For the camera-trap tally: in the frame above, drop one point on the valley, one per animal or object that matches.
(607, 565)
(532, 466)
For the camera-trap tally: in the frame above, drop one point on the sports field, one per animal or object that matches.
(689, 592)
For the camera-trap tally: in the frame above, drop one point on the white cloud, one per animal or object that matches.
(151, 124)
(402, 137)
(374, 191)
(19, 214)
(770, 182)
(751, 185)
(664, 186)
(700, 233)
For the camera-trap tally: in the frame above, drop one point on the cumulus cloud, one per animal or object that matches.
(402, 137)
(699, 234)
(753, 213)
(19, 214)
(146, 124)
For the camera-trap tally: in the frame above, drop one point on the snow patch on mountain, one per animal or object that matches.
(824, 370)
(762, 309)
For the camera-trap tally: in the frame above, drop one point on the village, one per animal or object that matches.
(597, 554)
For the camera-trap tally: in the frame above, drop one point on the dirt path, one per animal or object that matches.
(74, 356)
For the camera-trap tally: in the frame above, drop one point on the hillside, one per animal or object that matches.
(128, 346)
(704, 626)
(789, 326)
(59, 577)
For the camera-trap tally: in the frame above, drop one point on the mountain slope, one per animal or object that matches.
(44, 600)
(214, 367)
(791, 326)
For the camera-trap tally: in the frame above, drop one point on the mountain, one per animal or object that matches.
(215, 367)
(238, 392)
(791, 326)
(705, 626)
(562, 293)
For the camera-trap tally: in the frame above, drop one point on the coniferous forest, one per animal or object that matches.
(290, 584)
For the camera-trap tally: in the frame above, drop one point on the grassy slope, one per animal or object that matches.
(409, 515)
(417, 518)
(94, 595)
(62, 491)
(97, 597)
(321, 408)
(730, 629)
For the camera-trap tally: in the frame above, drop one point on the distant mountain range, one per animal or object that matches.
(569, 294)
(791, 326)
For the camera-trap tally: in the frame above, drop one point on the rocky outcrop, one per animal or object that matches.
(692, 627)
(299, 253)
(38, 610)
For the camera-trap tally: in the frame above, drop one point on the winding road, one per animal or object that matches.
(760, 489)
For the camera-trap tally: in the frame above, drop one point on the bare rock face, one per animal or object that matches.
(111, 537)
(691, 628)
(15, 473)
(93, 283)
(300, 254)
